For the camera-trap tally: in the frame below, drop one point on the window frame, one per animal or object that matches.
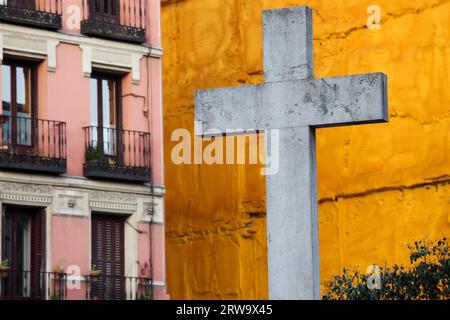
(100, 76)
(32, 66)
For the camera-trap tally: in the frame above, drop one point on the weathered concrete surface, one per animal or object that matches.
(288, 31)
(297, 107)
(346, 100)
(292, 224)
(381, 186)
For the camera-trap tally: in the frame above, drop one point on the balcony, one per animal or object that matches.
(44, 14)
(122, 20)
(35, 145)
(104, 287)
(27, 285)
(117, 154)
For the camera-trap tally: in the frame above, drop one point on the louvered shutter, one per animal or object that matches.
(114, 7)
(113, 11)
(107, 256)
(37, 278)
(105, 10)
(23, 4)
(95, 10)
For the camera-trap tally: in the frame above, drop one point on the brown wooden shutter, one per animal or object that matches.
(114, 7)
(3, 213)
(95, 11)
(107, 256)
(37, 278)
(105, 10)
(23, 4)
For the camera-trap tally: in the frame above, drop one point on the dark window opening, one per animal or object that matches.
(107, 249)
(23, 245)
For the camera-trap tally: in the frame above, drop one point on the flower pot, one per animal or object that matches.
(94, 276)
(144, 281)
(3, 119)
(4, 272)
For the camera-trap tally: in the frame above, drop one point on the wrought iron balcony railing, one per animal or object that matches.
(35, 13)
(32, 144)
(27, 285)
(123, 20)
(117, 154)
(105, 287)
(23, 285)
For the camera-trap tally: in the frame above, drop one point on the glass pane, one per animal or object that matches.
(22, 255)
(109, 116)
(7, 238)
(7, 254)
(23, 95)
(23, 92)
(16, 241)
(94, 102)
(109, 103)
(6, 89)
(6, 106)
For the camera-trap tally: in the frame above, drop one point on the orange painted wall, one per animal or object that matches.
(380, 186)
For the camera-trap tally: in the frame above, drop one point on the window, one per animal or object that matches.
(107, 245)
(106, 113)
(23, 240)
(18, 103)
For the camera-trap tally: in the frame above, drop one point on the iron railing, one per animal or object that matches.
(32, 144)
(107, 287)
(36, 13)
(124, 20)
(22, 285)
(27, 285)
(117, 154)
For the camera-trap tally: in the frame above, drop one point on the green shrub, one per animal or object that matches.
(427, 277)
(93, 154)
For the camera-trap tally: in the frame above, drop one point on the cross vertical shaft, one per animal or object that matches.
(292, 226)
(293, 260)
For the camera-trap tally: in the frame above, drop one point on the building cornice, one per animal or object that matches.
(83, 183)
(71, 196)
(42, 44)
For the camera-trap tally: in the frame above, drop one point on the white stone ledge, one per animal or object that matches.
(69, 196)
(41, 44)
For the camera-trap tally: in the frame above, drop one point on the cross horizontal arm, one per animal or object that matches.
(358, 99)
(224, 109)
(325, 102)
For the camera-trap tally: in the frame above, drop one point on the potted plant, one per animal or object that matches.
(95, 273)
(112, 162)
(144, 273)
(59, 267)
(4, 268)
(56, 296)
(3, 119)
(146, 296)
(93, 154)
(58, 270)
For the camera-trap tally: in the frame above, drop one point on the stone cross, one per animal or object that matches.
(291, 100)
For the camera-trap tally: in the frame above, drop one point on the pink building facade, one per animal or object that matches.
(81, 168)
